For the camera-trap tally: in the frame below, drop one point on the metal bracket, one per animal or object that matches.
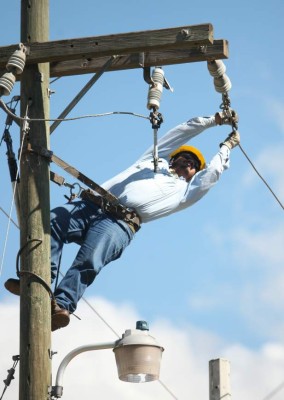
(156, 119)
(148, 79)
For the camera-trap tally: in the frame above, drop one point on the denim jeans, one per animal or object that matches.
(102, 239)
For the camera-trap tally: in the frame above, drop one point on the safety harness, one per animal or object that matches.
(107, 202)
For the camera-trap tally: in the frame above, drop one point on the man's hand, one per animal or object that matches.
(232, 140)
(226, 117)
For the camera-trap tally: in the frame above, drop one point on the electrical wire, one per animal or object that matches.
(54, 80)
(13, 199)
(274, 392)
(101, 318)
(167, 389)
(16, 117)
(7, 215)
(10, 376)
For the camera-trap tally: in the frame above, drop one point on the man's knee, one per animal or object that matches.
(88, 276)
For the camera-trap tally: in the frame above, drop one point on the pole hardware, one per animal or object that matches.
(156, 82)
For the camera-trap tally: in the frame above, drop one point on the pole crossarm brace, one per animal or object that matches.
(165, 46)
(82, 92)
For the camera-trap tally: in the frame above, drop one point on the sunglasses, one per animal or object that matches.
(182, 163)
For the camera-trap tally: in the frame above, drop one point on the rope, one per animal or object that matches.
(263, 180)
(217, 69)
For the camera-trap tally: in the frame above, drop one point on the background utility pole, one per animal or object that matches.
(35, 336)
(219, 380)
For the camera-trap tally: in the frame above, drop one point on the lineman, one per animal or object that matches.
(182, 179)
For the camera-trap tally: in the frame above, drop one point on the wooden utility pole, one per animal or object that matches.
(35, 333)
(47, 59)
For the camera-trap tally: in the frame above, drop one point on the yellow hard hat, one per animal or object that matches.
(190, 149)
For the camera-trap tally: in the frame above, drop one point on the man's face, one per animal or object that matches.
(184, 168)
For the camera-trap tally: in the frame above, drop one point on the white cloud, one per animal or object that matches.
(184, 369)
(255, 257)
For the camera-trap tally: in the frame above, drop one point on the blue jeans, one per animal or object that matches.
(102, 239)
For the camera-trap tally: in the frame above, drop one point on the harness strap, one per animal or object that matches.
(59, 180)
(106, 201)
(74, 172)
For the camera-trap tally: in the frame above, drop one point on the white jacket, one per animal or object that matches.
(157, 194)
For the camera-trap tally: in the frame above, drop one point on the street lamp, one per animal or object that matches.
(137, 354)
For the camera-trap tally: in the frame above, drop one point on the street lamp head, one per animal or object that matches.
(138, 355)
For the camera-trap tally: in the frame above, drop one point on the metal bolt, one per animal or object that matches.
(50, 92)
(185, 33)
(85, 63)
(203, 49)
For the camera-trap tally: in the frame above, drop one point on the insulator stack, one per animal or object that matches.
(216, 68)
(222, 82)
(155, 89)
(14, 66)
(17, 60)
(7, 82)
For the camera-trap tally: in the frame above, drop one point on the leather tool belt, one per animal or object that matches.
(115, 210)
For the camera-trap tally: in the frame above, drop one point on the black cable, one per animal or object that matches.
(32, 274)
(10, 375)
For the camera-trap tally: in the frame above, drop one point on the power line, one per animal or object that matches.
(8, 216)
(24, 131)
(274, 392)
(17, 118)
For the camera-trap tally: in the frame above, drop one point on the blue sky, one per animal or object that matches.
(211, 275)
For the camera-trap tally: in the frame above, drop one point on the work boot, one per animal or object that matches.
(59, 316)
(13, 285)
(226, 117)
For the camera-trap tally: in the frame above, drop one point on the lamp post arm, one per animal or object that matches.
(57, 390)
